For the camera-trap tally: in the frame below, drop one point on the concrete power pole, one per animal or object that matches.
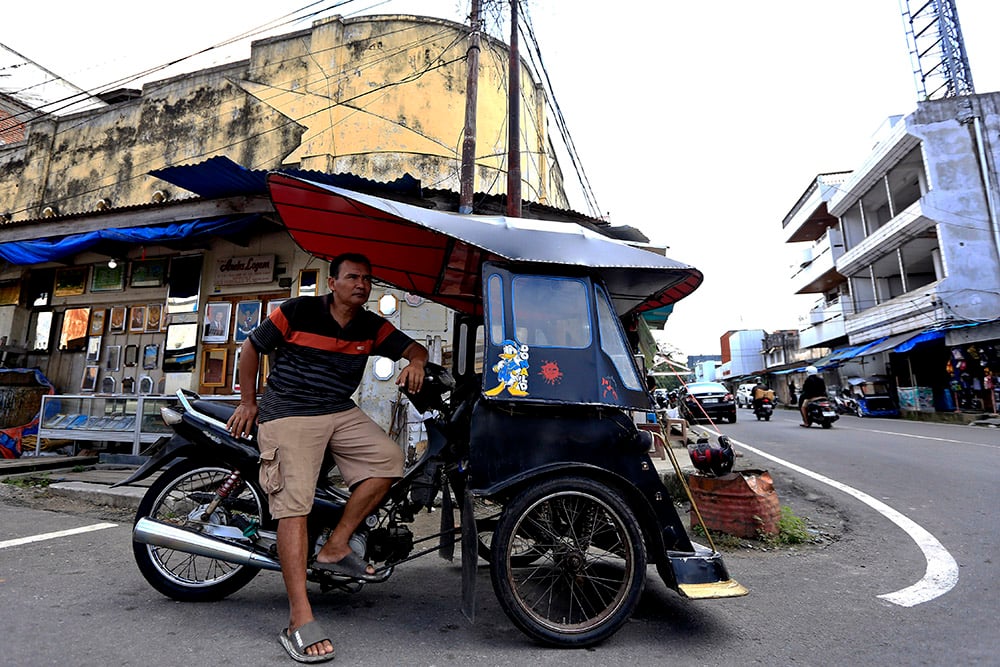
(468, 178)
(514, 120)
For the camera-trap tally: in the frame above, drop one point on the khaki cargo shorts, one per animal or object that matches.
(291, 453)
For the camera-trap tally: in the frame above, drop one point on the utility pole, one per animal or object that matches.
(514, 121)
(468, 178)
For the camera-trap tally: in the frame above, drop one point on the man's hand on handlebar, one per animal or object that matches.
(243, 419)
(411, 378)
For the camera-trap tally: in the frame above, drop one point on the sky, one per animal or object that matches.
(699, 123)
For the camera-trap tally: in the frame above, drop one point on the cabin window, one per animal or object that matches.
(551, 312)
(496, 309)
(613, 342)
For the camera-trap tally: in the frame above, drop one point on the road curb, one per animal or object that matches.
(126, 497)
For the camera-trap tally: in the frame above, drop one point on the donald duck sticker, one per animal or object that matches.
(511, 370)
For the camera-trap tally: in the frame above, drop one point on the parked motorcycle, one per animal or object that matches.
(763, 408)
(821, 411)
(535, 441)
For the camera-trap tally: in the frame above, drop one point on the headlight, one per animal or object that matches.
(170, 416)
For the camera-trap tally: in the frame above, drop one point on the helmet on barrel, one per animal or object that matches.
(713, 458)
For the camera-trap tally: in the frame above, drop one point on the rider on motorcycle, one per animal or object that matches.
(760, 392)
(814, 387)
(319, 346)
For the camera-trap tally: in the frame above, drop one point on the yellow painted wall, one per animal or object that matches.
(374, 96)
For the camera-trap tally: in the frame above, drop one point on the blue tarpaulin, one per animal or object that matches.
(53, 250)
(924, 337)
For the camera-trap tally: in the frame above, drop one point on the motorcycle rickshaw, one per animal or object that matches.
(873, 397)
(542, 361)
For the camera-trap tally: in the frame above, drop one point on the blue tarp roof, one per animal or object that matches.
(924, 337)
(221, 177)
(53, 250)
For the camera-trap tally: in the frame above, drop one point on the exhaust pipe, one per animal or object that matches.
(159, 534)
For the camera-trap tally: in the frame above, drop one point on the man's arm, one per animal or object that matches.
(411, 377)
(246, 412)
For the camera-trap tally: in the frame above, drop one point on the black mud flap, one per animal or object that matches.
(447, 548)
(470, 557)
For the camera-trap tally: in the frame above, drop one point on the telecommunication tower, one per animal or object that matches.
(937, 51)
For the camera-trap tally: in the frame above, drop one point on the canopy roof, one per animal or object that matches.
(439, 255)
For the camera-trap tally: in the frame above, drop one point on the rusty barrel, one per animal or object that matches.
(742, 503)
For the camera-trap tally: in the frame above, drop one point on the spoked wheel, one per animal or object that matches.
(180, 497)
(488, 515)
(589, 562)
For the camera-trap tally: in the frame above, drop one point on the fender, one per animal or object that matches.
(171, 448)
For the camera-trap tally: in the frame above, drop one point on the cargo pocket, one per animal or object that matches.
(270, 471)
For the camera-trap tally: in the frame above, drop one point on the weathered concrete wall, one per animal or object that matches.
(379, 97)
(957, 199)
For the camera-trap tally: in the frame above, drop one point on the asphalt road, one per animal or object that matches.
(79, 599)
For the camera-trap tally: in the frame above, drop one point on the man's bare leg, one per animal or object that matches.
(364, 499)
(293, 547)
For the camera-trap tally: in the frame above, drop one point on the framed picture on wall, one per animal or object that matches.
(149, 272)
(97, 322)
(154, 315)
(89, 382)
(150, 357)
(213, 367)
(217, 317)
(137, 319)
(71, 281)
(131, 355)
(93, 349)
(105, 279)
(113, 357)
(116, 323)
(308, 282)
(247, 319)
(273, 305)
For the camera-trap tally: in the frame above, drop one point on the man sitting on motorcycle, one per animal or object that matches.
(760, 392)
(319, 347)
(814, 387)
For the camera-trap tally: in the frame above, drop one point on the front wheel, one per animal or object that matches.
(180, 497)
(589, 564)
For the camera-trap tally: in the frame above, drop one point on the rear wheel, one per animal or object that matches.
(180, 497)
(589, 562)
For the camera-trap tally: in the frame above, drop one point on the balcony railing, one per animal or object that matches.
(818, 272)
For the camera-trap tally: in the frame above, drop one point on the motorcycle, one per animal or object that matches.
(551, 479)
(821, 411)
(763, 408)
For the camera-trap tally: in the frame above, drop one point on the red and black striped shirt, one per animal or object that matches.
(316, 365)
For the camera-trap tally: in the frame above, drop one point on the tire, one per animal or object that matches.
(827, 424)
(589, 562)
(859, 412)
(767, 418)
(732, 418)
(175, 497)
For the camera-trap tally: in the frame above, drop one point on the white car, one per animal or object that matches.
(744, 395)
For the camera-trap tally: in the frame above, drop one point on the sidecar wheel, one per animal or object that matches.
(589, 562)
(174, 498)
(487, 517)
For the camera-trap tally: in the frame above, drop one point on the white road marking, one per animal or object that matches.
(51, 536)
(941, 574)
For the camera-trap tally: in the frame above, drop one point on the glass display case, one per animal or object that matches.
(108, 418)
(104, 418)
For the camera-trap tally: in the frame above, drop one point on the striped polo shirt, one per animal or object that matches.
(315, 363)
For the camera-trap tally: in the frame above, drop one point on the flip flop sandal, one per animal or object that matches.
(350, 565)
(297, 642)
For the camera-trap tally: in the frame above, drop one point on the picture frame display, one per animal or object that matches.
(105, 279)
(97, 322)
(308, 282)
(71, 281)
(137, 319)
(154, 316)
(10, 292)
(150, 356)
(217, 320)
(149, 272)
(75, 327)
(131, 355)
(273, 305)
(213, 367)
(113, 355)
(116, 323)
(89, 381)
(93, 349)
(247, 319)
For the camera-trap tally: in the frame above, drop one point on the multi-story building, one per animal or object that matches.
(905, 251)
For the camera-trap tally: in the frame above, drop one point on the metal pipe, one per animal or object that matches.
(159, 534)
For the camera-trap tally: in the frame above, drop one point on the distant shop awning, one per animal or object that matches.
(890, 343)
(53, 250)
(923, 337)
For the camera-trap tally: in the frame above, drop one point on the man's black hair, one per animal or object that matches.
(355, 257)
